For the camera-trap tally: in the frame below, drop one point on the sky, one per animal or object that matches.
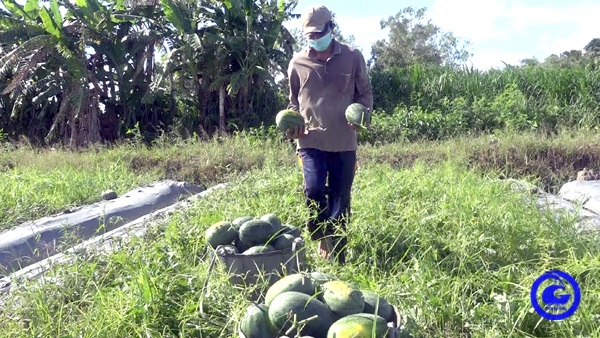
(499, 30)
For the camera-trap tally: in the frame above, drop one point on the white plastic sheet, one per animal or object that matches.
(101, 244)
(33, 241)
(585, 192)
(566, 202)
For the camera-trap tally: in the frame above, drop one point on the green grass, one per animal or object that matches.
(32, 192)
(455, 250)
(37, 183)
(440, 102)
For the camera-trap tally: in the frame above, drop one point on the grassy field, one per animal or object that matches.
(433, 231)
(36, 183)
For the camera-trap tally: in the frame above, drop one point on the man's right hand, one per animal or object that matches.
(296, 133)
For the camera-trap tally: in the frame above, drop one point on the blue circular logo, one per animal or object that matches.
(551, 301)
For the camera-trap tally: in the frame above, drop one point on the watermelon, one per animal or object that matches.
(290, 303)
(259, 249)
(237, 223)
(256, 232)
(241, 246)
(357, 115)
(385, 310)
(359, 325)
(274, 220)
(220, 233)
(255, 323)
(292, 230)
(288, 119)
(342, 298)
(295, 282)
(283, 242)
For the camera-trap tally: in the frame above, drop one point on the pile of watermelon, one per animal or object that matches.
(250, 236)
(319, 306)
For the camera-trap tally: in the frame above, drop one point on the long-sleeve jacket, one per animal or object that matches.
(322, 90)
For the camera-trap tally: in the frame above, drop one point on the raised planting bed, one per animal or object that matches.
(36, 240)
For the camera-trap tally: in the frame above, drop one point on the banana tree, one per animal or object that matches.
(48, 62)
(123, 40)
(251, 39)
(226, 49)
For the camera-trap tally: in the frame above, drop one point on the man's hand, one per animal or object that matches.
(296, 133)
(353, 126)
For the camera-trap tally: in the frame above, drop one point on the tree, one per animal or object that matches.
(83, 68)
(47, 60)
(530, 62)
(413, 40)
(227, 50)
(593, 48)
(120, 64)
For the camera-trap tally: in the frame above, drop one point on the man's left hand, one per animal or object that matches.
(353, 126)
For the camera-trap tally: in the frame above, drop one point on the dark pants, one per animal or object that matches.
(328, 178)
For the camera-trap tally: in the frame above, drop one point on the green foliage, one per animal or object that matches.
(441, 102)
(91, 75)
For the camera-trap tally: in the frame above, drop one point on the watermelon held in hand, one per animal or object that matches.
(288, 119)
(358, 115)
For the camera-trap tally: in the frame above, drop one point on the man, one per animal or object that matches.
(324, 80)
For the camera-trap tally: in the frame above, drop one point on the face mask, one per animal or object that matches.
(322, 43)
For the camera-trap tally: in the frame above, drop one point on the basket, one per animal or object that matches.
(247, 269)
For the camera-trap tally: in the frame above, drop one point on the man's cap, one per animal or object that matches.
(314, 19)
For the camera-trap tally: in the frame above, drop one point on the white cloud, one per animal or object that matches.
(366, 30)
(487, 59)
(588, 29)
(548, 15)
(485, 21)
(471, 19)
